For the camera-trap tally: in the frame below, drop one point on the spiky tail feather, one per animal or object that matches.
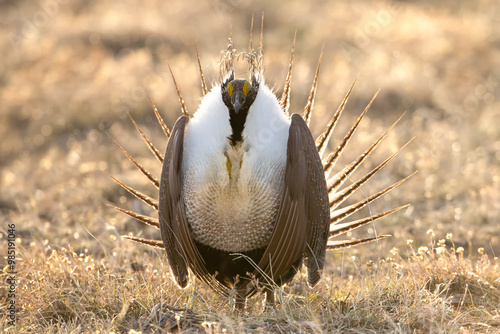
(204, 89)
(285, 97)
(312, 95)
(150, 242)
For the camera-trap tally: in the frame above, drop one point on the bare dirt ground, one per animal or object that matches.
(70, 72)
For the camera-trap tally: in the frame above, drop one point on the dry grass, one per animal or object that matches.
(431, 289)
(71, 70)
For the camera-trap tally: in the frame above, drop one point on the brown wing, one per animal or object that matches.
(317, 207)
(181, 250)
(169, 196)
(302, 224)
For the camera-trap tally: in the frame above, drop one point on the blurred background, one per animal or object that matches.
(71, 70)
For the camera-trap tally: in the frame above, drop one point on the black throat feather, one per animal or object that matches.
(237, 119)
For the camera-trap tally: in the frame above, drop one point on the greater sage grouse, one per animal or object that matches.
(244, 195)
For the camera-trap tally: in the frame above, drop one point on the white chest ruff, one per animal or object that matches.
(233, 217)
(234, 212)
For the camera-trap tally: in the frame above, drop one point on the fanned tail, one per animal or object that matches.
(153, 222)
(335, 182)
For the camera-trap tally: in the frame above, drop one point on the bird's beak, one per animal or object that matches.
(237, 104)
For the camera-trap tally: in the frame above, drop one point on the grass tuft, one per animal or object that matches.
(431, 288)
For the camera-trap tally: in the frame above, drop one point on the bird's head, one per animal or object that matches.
(238, 95)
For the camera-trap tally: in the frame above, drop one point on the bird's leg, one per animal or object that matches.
(240, 287)
(270, 302)
(240, 299)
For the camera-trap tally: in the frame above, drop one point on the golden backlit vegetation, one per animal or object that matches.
(71, 70)
(430, 289)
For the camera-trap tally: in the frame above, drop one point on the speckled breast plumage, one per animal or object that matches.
(233, 217)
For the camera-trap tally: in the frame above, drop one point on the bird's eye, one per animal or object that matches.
(246, 88)
(230, 89)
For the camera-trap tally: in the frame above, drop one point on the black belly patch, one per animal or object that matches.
(227, 266)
